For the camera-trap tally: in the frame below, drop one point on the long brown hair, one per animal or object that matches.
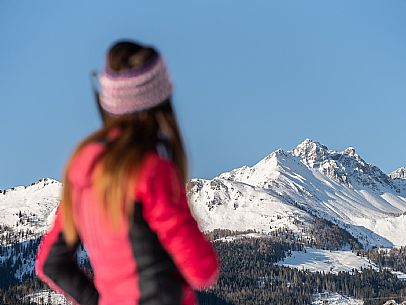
(116, 170)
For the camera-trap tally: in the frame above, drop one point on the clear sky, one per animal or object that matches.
(250, 77)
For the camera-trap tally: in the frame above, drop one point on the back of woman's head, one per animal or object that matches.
(134, 102)
(125, 55)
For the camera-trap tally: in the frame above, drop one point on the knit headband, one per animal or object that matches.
(134, 90)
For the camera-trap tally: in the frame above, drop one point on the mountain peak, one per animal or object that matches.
(399, 173)
(310, 143)
(279, 153)
(344, 167)
(350, 151)
(311, 152)
(37, 184)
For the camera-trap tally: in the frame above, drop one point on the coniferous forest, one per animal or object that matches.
(249, 274)
(250, 277)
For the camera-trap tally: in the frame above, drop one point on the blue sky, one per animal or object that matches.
(249, 76)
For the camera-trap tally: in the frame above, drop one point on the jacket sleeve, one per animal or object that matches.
(167, 213)
(56, 266)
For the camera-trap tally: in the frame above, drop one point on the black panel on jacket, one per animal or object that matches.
(61, 267)
(160, 282)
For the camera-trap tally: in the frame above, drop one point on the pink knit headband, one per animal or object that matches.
(135, 90)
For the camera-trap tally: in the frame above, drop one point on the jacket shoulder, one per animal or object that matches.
(82, 165)
(154, 167)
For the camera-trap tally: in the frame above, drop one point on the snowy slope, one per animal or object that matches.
(233, 205)
(46, 297)
(327, 261)
(337, 186)
(334, 299)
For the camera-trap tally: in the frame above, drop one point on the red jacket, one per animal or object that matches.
(156, 259)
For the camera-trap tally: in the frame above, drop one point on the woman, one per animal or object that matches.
(124, 198)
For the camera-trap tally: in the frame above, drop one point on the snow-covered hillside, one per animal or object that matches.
(317, 260)
(46, 297)
(226, 204)
(287, 187)
(334, 299)
(327, 261)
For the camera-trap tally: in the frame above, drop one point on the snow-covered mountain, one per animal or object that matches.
(26, 212)
(288, 188)
(30, 208)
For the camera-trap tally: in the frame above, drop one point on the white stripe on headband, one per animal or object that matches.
(122, 93)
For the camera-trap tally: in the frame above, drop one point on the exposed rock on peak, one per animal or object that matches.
(311, 152)
(345, 167)
(350, 151)
(399, 173)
